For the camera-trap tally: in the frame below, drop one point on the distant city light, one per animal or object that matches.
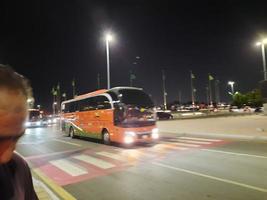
(231, 82)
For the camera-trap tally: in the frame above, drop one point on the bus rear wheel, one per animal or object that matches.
(106, 137)
(71, 132)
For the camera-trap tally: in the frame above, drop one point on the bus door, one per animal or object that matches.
(102, 113)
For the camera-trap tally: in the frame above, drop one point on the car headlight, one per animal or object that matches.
(49, 121)
(155, 133)
(129, 137)
(27, 124)
(54, 120)
(38, 123)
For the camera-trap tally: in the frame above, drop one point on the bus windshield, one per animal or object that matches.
(34, 114)
(135, 98)
(134, 109)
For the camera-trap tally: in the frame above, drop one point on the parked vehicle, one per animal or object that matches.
(258, 109)
(163, 115)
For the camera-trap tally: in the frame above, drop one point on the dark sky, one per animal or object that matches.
(54, 41)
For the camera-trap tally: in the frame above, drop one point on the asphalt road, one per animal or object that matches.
(175, 168)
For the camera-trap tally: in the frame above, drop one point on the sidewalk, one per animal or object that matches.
(250, 127)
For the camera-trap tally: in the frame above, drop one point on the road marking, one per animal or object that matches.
(212, 177)
(194, 142)
(69, 167)
(94, 161)
(201, 139)
(52, 185)
(183, 144)
(110, 155)
(170, 147)
(71, 143)
(136, 153)
(233, 153)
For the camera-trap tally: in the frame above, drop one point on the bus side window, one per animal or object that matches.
(87, 104)
(83, 105)
(73, 107)
(103, 103)
(66, 108)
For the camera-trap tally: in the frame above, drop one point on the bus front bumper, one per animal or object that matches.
(131, 137)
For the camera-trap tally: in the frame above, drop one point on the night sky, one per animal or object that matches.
(54, 41)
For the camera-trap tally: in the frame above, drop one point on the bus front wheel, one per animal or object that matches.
(71, 132)
(106, 137)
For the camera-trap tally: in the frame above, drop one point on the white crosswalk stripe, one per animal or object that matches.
(200, 139)
(193, 142)
(69, 167)
(183, 144)
(94, 161)
(137, 153)
(110, 155)
(170, 147)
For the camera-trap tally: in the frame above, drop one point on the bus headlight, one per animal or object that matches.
(129, 137)
(155, 133)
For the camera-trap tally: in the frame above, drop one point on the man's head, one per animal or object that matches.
(14, 92)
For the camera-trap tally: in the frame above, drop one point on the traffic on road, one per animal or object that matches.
(175, 167)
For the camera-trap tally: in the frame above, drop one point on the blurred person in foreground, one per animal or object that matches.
(15, 176)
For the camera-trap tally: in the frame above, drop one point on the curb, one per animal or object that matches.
(55, 189)
(222, 136)
(42, 191)
(204, 116)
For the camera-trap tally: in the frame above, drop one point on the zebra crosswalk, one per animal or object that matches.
(87, 164)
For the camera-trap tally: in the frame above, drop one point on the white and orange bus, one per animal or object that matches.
(121, 114)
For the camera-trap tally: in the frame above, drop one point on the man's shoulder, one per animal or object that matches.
(17, 160)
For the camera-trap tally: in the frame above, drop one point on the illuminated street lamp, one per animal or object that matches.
(262, 44)
(231, 83)
(108, 38)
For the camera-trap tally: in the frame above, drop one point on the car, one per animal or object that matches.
(258, 110)
(35, 119)
(163, 115)
(52, 120)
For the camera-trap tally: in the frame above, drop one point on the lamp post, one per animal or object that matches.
(231, 83)
(164, 90)
(54, 107)
(262, 44)
(108, 39)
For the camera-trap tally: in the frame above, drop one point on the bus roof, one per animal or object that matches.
(97, 92)
(121, 88)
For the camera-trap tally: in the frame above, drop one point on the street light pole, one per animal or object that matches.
(264, 61)
(262, 44)
(108, 70)
(164, 90)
